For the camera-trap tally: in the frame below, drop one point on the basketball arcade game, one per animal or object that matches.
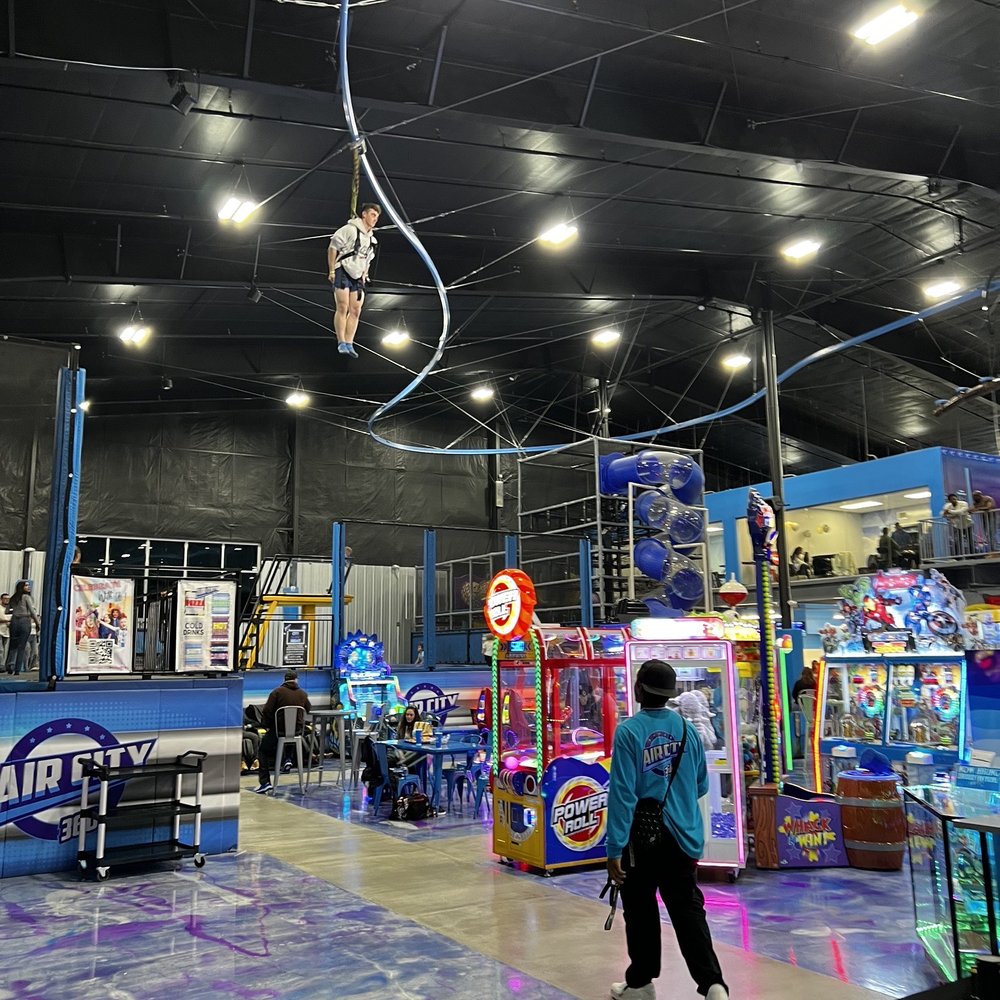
(704, 660)
(365, 676)
(555, 703)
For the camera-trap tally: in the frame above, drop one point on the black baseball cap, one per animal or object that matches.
(657, 677)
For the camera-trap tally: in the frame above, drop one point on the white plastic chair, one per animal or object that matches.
(288, 723)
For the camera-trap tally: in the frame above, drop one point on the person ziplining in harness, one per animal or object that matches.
(349, 256)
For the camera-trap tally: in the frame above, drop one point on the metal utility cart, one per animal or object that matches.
(141, 815)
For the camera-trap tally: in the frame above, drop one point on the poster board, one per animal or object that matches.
(101, 627)
(205, 625)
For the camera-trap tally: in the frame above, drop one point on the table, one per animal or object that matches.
(324, 716)
(437, 755)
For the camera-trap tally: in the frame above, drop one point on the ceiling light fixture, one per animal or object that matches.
(135, 336)
(559, 234)
(861, 505)
(395, 338)
(239, 205)
(919, 495)
(297, 399)
(800, 249)
(736, 361)
(85, 406)
(605, 338)
(941, 289)
(878, 29)
(482, 393)
(182, 102)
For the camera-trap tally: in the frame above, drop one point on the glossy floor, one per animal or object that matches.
(852, 926)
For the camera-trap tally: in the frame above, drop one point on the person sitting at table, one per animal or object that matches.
(410, 759)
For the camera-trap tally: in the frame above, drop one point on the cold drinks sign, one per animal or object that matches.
(510, 604)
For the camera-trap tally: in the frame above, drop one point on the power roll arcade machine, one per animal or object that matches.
(704, 661)
(554, 709)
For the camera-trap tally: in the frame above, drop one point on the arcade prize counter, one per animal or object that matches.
(557, 695)
(894, 676)
(704, 661)
(951, 898)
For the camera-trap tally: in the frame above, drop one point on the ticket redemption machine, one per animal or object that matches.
(554, 709)
(894, 676)
(704, 660)
(366, 679)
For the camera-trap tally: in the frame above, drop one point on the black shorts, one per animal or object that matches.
(341, 279)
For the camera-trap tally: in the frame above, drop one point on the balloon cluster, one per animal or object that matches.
(670, 508)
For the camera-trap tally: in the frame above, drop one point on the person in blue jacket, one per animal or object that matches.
(646, 747)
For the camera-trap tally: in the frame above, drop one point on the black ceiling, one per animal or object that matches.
(689, 140)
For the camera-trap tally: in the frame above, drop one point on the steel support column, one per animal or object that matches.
(774, 454)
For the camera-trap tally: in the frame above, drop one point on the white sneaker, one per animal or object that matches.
(717, 992)
(622, 991)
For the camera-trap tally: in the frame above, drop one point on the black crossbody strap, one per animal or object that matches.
(676, 764)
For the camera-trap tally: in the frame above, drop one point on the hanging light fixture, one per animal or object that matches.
(136, 333)
(239, 205)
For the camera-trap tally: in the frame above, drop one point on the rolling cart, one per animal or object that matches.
(139, 815)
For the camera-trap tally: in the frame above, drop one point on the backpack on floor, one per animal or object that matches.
(412, 807)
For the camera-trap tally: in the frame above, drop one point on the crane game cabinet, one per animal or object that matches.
(555, 704)
(705, 663)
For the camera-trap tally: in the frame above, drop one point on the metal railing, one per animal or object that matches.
(962, 538)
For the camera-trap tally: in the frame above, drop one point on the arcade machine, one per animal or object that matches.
(894, 677)
(704, 660)
(554, 703)
(366, 679)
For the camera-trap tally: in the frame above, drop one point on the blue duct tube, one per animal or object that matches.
(411, 237)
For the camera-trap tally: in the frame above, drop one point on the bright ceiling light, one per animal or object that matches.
(482, 393)
(135, 336)
(228, 209)
(878, 29)
(941, 289)
(236, 209)
(244, 210)
(605, 338)
(85, 406)
(800, 249)
(395, 338)
(919, 495)
(736, 361)
(297, 399)
(861, 505)
(558, 234)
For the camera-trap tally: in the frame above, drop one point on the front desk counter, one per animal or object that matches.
(129, 721)
(950, 901)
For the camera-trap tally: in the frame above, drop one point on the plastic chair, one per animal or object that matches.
(478, 777)
(394, 779)
(289, 720)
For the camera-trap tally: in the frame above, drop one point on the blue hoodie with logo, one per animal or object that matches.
(643, 755)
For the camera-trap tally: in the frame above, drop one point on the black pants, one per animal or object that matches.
(674, 874)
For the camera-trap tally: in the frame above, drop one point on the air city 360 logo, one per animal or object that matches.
(580, 813)
(42, 775)
(425, 697)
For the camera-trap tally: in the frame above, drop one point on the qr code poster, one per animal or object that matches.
(101, 626)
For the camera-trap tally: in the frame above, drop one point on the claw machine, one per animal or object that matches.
(555, 704)
(704, 660)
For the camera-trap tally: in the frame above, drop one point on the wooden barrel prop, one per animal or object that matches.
(872, 816)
